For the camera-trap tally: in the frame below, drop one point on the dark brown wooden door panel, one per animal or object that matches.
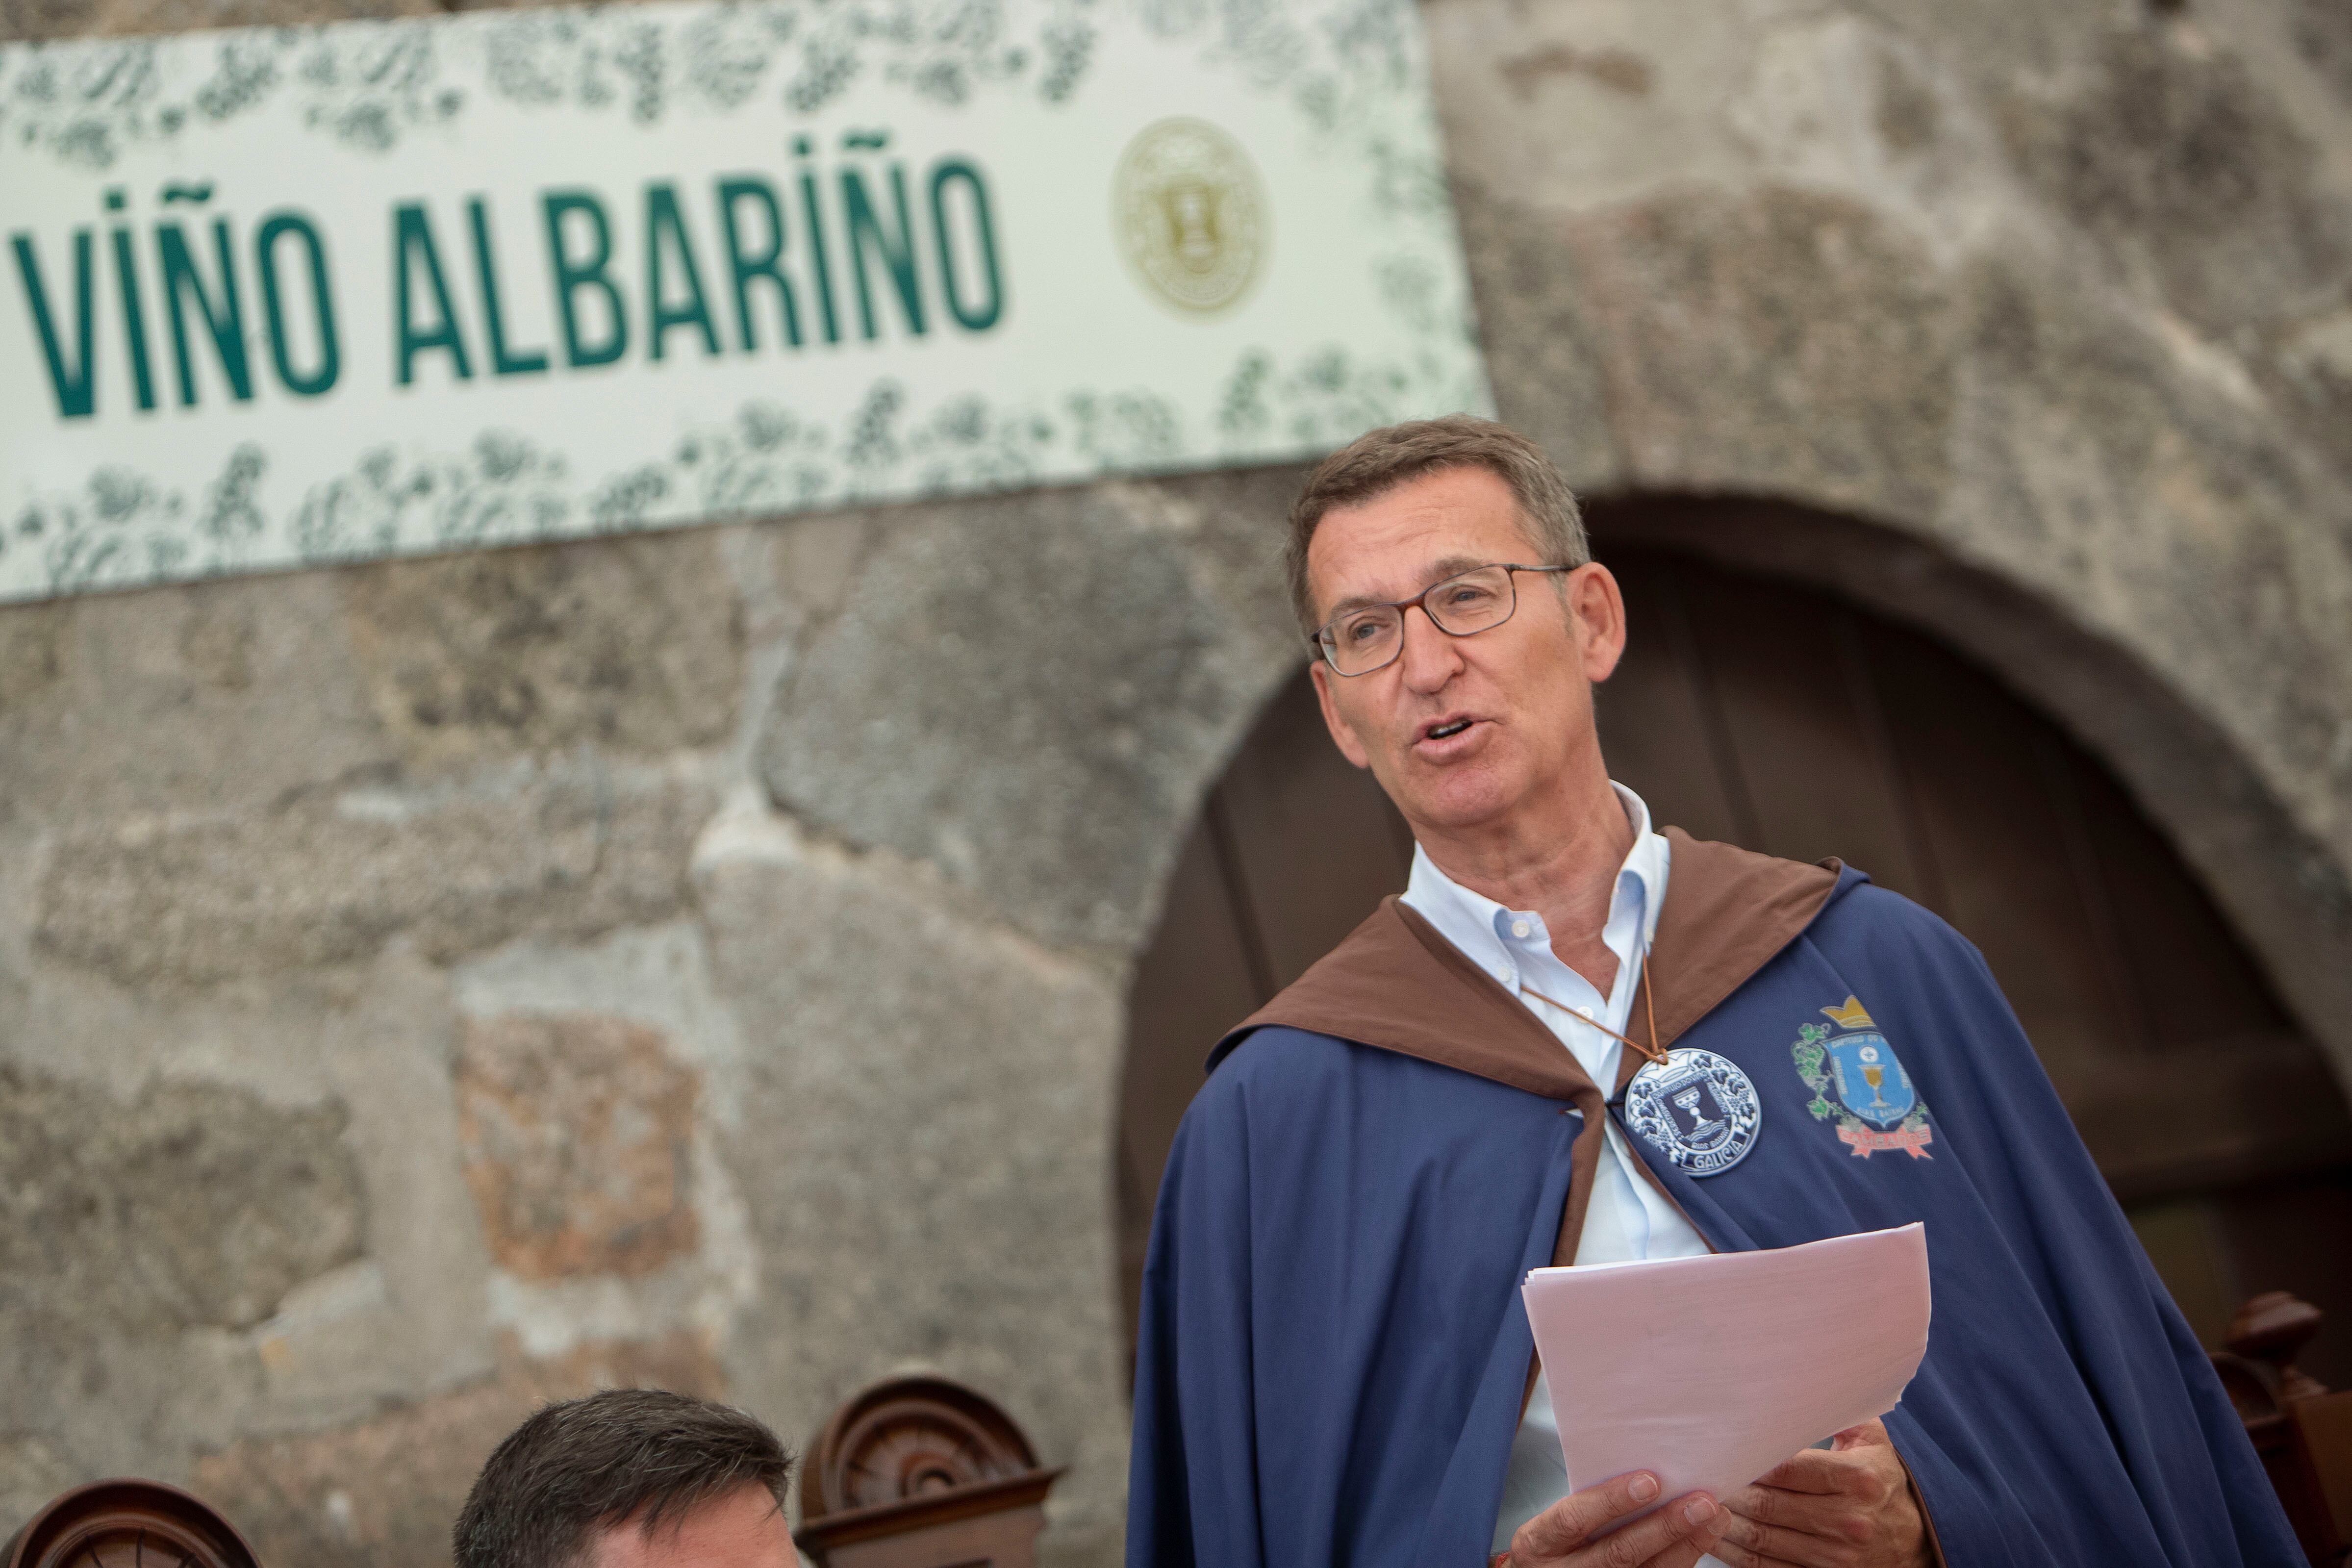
(1802, 749)
(1312, 843)
(1681, 746)
(2175, 944)
(2005, 845)
(1196, 982)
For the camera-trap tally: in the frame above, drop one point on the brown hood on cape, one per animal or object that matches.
(1396, 984)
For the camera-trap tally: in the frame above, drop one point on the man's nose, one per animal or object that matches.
(1429, 659)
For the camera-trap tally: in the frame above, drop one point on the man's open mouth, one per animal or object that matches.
(1441, 732)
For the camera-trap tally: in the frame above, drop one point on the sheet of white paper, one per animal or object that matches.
(1710, 1371)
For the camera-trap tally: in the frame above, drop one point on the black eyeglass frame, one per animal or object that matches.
(1315, 638)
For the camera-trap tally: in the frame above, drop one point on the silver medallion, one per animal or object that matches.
(1696, 1108)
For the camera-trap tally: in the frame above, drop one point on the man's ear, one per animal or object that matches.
(1598, 606)
(1343, 735)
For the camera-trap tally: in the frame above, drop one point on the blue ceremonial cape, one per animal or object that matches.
(1334, 1353)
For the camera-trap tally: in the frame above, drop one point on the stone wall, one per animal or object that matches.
(430, 988)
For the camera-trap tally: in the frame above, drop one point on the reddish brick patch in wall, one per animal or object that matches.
(578, 1132)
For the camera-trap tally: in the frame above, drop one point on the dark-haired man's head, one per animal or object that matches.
(630, 1479)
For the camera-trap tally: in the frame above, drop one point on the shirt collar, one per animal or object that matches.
(1477, 926)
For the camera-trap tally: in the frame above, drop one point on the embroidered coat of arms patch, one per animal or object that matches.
(1857, 1082)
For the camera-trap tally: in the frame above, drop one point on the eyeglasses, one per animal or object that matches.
(1366, 638)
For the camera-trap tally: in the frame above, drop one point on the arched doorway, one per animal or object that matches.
(1792, 721)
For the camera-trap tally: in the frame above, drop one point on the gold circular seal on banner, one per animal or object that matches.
(1191, 213)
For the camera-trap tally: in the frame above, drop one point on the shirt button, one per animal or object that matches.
(1520, 929)
(1584, 1013)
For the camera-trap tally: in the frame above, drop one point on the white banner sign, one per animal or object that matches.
(285, 295)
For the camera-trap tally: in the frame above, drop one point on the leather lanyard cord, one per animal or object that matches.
(1649, 1003)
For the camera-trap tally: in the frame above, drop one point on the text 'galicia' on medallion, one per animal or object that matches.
(1191, 213)
(1697, 1109)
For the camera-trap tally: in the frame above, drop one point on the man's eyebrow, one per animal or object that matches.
(1451, 566)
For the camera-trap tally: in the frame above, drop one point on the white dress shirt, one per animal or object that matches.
(1627, 1218)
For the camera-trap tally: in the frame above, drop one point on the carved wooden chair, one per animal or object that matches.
(2303, 1432)
(921, 1472)
(127, 1524)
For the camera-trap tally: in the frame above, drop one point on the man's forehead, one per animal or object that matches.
(741, 1528)
(1423, 531)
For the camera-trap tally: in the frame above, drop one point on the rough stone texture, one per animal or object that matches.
(220, 696)
(31, 1473)
(191, 1205)
(2072, 423)
(1723, 322)
(382, 1493)
(2177, 160)
(1526, 296)
(142, 1239)
(2322, 32)
(1030, 693)
(630, 644)
(29, 655)
(579, 1133)
(923, 1142)
(328, 879)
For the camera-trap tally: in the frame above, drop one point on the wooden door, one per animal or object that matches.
(1789, 722)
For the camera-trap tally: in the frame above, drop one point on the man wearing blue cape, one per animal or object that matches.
(1576, 1039)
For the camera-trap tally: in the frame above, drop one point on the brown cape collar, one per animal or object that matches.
(1396, 984)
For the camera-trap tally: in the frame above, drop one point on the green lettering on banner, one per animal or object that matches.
(503, 362)
(866, 236)
(223, 320)
(665, 231)
(278, 227)
(744, 265)
(73, 385)
(573, 274)
(973, 319)
(699, 272)
(413, 245)
(812, 219)
(134, 316)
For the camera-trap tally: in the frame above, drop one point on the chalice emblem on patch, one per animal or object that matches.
(1858, 1083)
(1697, 1109)
(1190, 214)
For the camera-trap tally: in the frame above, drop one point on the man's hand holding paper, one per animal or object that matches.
(1693, 1372)
(1580, 1530)
(1850, 1507)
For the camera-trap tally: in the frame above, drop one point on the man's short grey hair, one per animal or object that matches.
(586, 1465)
(1372, 465)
